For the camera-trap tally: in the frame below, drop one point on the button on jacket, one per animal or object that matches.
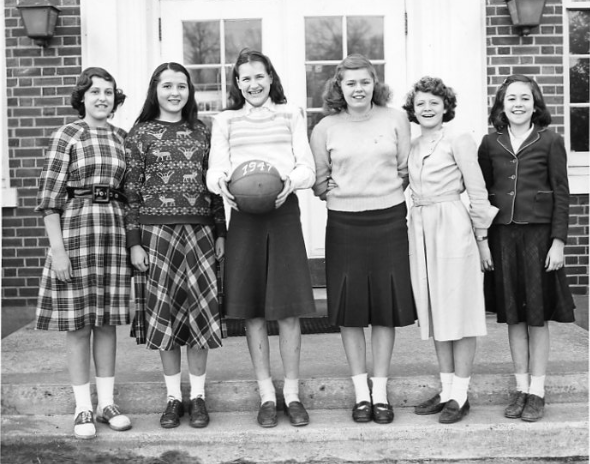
(530, 186)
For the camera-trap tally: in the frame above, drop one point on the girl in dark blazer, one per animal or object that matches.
(525, 168)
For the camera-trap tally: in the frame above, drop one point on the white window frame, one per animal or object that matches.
(578, 163)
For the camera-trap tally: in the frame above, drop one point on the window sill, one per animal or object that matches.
(9, 198)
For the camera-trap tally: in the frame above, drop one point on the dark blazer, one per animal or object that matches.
(531, 186)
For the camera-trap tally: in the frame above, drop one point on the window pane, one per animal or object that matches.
(323, 38)
(240, 34)
(380, 68)
(201, 42)
(579, 22)
(316, 77)
(365, 36)
(579, 80)
(207, 84)
(580, 129)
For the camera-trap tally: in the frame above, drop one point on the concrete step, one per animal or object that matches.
(35, 378)
(331, 437)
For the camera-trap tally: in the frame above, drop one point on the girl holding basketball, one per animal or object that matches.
(175, 232)
(267, 275)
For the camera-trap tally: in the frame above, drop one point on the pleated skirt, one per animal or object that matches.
(266, 270)
(177, 296)
(519, 289)
(367, 268)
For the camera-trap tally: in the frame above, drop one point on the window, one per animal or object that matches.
(329, 39)
(210, 49)
(578, 91)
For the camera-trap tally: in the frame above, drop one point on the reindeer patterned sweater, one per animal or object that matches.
(165, 178)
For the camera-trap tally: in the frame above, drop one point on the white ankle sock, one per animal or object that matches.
(173, 389)
(105, 387)
(267, 391)
(446, 381)
(459, 389)
(361, 388)
(197, 386)
(522, 382)
(537, 386)
(379, 390)
(291, 390)
(82, 397)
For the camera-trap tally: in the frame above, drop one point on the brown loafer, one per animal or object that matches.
(297, 414)
(452, 413)
(534, 408)
(267, 414)
(382, 413)
(171, 416)
(199, 417)
(431, 406)
(362, 412)
(516, 406)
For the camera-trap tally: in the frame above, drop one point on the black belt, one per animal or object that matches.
(99, 193)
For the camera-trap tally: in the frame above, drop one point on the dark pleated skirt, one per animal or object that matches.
(266, 269)
(519, 289)
(368, 269)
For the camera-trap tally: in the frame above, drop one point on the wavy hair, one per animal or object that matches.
(84, 82)
(334, 101)
(541, 114)
(151, 108)
(435, 86)
(236, 99)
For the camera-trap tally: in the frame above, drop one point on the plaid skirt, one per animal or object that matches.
(519, 289)
(176, 299)
(94, 239)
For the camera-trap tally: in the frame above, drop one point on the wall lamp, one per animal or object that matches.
(525, 14)
(39, 18)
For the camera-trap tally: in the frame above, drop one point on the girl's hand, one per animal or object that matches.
(227, 196)
(554, 260)
(139, 258)
(331, 184)
(220, 248)
(287, 190)
(485, 256)
(61, 265)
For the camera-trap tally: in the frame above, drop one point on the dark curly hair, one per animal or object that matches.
(435, 86)
(541, 114)
(151, 107)
(84, 82)
(237, 100)
(334, 101)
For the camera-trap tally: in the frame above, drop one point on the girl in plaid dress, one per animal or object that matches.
(175, 231)
(85, 285)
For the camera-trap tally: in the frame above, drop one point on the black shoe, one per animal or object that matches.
(382, 413)
(267, 414)
(171, 417)
(534, 408)
(516, 406)
(431, 406)
(297, 414)
(362, 412)
(199, 417)
(452, 413)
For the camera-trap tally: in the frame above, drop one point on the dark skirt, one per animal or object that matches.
(177, 296)
(368, 268)
(266, 269)
(519, 289)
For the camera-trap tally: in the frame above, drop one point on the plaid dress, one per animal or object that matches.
(93, 233)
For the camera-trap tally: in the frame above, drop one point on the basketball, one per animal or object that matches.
(255, 185)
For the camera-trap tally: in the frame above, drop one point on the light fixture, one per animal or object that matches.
(39, 18)
(525, 14)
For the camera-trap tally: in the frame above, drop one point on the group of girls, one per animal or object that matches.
(151, 203)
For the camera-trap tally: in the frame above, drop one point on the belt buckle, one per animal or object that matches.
(101, 194)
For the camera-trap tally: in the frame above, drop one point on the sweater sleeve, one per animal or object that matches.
(219, 158)
(321, 158)
(557, 166)
(134, 178)
(403, 145)
(303, 175)
(482, 213)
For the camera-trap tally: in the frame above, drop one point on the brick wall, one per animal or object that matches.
(540, 55)
(39, 83)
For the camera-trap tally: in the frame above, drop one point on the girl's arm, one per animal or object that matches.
(303, 175)
(218, 172)
(404, 140)
(557, 173)
(60, 261)
(323, 168)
